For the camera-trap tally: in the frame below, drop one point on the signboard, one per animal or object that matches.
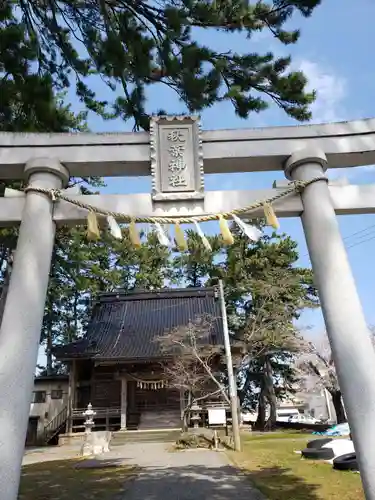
(176, 158)
(217, 416)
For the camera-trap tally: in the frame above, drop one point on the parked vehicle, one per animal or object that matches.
(303, 419)
(291, 415)
(248, 417)
(287, 414)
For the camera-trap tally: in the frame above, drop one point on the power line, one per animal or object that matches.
(359, 232)
(360, 242)
(363, 233)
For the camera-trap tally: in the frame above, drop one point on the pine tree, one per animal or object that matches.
(132, 45)
(29, 103)
(195, 267)
(148, 267)
(28, 100)
(47, 45)
(83, 269)
(266, 293)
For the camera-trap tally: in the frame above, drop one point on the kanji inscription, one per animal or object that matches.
(176, 158)
(177, 180)
(177, 150)
(176, 136)
(177, 164)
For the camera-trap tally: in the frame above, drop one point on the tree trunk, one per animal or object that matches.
(49, 344)
(270, 394)
(50, 318)
(185, 423)
(4, 290)
(260, 423)
(187, 411)
(75, 309)
(184, 412)
(3, 256)
(339, 407)
(49, 334)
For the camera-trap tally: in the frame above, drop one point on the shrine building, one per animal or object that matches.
(118, 365)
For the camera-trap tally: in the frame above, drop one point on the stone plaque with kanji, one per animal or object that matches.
(176, 158)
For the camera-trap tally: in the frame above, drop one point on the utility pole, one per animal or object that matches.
(231, 380)
(328, 404)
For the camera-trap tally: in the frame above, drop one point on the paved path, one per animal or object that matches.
(185, 475)
(49, 453)
(164, 474)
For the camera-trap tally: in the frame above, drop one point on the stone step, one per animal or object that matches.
(161, 436)
(150, 420)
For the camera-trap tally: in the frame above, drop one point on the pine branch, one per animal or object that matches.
(133, 44)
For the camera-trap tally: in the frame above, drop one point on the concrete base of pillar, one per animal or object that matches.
(96, 443)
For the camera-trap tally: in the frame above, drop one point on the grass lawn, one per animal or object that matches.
(287, 434)
(62, 480)
(280, 474)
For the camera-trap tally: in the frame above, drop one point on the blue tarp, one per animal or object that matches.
(336, 430)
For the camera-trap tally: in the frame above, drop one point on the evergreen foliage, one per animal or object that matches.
(265, 294)
(49, 46)
(132, 45)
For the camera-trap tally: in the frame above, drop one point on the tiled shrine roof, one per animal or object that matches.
(125, 326)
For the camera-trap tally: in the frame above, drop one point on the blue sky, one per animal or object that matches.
(335, 52)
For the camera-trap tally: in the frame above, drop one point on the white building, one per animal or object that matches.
(49, 402)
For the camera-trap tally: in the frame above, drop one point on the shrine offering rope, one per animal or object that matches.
(295, 186)
(149, 384)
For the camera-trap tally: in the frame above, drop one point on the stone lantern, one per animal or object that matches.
(195, 415)
(89, 422)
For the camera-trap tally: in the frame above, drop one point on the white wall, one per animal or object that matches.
(52, 407)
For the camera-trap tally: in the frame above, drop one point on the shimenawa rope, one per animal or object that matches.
(56, 195)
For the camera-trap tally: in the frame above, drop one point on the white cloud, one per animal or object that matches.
(330, 89)
(329, 105)
(262, 37)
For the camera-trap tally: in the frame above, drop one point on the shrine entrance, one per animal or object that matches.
(177, 154)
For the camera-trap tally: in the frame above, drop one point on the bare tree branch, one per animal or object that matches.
(194, 358)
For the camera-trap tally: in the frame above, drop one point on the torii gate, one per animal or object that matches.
(303, 152)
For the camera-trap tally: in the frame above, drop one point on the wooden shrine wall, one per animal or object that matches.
(105, 391)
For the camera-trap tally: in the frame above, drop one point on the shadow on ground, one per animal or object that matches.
(110, 480)
(74, 480)
(219, 483)
(279, 483)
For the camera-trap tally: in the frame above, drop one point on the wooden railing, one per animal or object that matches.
(108, 418)
(99, 412)
(54, 425)
(102, 418)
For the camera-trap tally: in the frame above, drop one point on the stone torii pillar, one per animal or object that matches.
(347, 331)
(23, 316)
